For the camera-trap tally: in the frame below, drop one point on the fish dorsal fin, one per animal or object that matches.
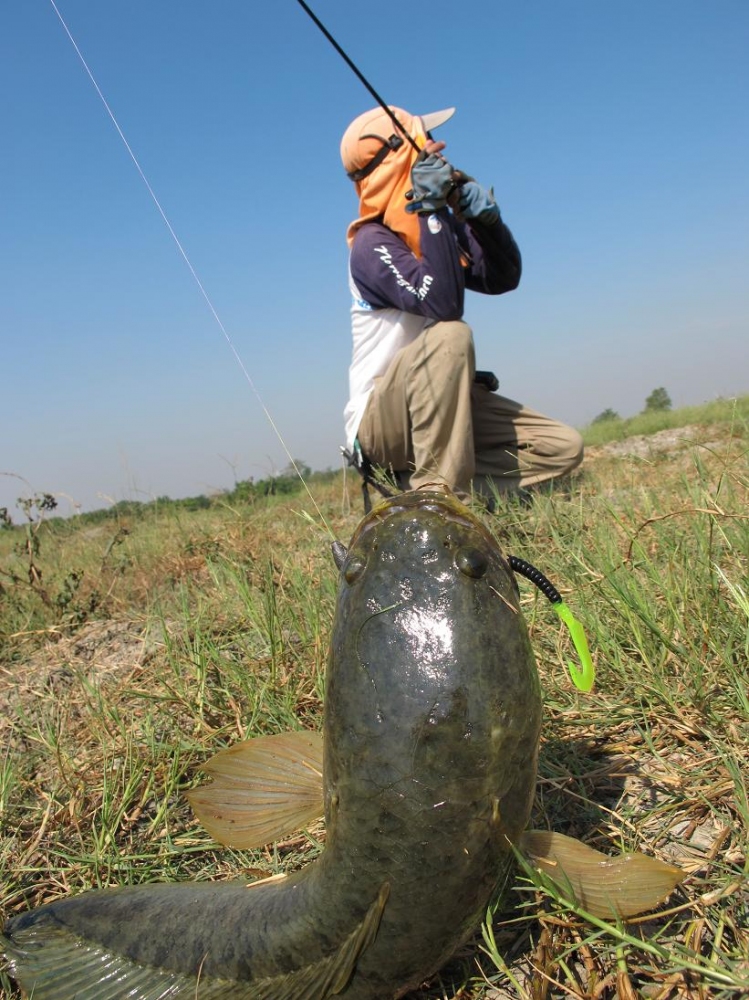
(262, 790)
(51, 962)
(606, 887)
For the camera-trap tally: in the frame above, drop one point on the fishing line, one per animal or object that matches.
(192, 270)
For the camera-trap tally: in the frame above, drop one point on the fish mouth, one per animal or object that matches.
(432, 498)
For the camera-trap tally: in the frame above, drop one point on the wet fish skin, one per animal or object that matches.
(431, 729)
(432, 717)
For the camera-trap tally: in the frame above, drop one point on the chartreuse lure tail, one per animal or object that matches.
(583, 677)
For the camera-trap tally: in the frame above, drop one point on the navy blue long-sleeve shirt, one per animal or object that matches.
(395, 294)
(389, 275)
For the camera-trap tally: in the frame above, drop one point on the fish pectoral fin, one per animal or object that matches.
(606, 887)
(262, 790)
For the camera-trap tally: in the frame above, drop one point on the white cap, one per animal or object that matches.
(436, 118)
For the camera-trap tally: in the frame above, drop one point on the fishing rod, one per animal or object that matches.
(349, 62)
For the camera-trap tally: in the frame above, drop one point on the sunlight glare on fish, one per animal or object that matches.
(430, 637)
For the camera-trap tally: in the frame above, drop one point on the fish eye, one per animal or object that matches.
(353, 569)
(471, 562)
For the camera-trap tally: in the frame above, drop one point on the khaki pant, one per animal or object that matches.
(426, 415)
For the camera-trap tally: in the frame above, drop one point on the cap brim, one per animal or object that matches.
(436, 118)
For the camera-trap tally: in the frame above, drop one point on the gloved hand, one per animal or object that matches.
(475, 203)
(432, 180)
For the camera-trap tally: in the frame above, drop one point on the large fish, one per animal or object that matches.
(431, 731)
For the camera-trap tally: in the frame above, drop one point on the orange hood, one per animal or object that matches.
(382, 194)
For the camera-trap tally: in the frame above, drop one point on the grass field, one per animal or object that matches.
(134, 649)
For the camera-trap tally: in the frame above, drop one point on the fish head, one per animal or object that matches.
(430, 528)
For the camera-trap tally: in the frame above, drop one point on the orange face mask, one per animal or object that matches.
(382, 192)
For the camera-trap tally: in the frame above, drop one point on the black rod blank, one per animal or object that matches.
(358, 72)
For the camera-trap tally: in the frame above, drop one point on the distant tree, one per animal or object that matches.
(289, 471)
(607, 414)
(128, 507)
(658, 399)
(199, 502)
(243, 492)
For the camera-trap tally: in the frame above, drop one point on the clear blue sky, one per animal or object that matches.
(616, 135)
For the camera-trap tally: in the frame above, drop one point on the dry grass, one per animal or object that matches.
(214, 625)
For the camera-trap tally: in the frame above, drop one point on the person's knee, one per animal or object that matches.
(454, 335)
(452, 343)
(572, 449)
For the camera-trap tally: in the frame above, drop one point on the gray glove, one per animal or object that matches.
(476, 203)
(432, 179)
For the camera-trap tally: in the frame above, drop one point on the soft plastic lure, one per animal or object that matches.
(583, 677)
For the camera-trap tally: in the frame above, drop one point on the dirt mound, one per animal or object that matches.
(668, 441)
